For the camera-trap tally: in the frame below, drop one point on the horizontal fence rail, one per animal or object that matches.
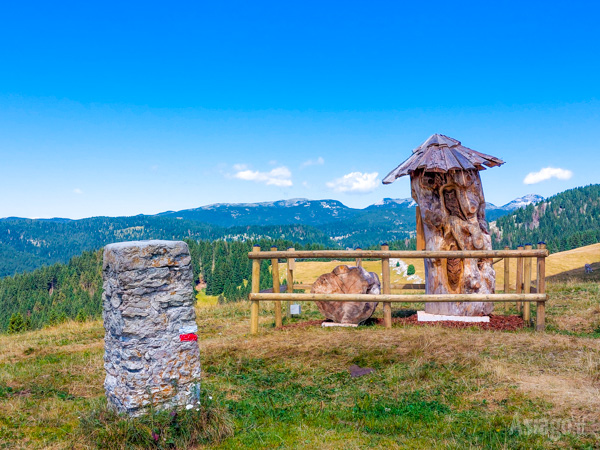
(406, 254)
(308, 287)
(525, 292)
(399, 298)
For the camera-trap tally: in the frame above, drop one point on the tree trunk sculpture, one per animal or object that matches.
(453, 214)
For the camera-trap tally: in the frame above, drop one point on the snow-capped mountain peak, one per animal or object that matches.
(387, 202)
(522, 202)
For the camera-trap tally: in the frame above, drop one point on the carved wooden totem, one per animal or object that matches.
(446, 185)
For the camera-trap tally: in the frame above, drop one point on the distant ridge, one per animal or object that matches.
(53, 219)
(303, 210)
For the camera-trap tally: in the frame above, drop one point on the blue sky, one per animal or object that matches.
(127, 108)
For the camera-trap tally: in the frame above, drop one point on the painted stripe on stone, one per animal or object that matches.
(188, 337)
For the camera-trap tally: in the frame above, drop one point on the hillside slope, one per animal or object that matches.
(565, 221)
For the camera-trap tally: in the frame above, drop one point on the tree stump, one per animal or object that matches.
(452, 209)
(347, 280)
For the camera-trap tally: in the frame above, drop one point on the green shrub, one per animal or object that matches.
(410, 270)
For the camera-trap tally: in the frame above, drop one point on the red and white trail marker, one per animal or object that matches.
(187, 334)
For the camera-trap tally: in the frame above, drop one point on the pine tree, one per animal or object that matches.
(17, 324)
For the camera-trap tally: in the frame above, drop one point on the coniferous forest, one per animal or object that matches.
(565, 221)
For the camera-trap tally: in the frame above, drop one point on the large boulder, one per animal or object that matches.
(347, 280)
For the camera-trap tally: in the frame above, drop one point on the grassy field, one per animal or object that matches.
(431, 387)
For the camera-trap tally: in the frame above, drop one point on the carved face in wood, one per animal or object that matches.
(453, 211)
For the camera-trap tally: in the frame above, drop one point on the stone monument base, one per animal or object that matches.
(422, 316)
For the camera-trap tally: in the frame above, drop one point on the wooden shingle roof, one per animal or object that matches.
(441, 153)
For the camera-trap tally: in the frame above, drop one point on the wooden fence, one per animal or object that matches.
(524, 293)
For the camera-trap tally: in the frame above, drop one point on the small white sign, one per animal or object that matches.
(295, 309)
(422, 316)
(188, 329)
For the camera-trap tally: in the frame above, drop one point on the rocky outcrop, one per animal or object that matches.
(151, 349)
(347, 280)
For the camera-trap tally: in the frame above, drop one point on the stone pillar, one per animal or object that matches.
(151, 350)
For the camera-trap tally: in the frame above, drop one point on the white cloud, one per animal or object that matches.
(355, 182)
(279, 176)
(77, 191)
(313, 162)
(547, 173)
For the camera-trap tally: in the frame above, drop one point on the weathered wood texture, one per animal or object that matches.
(402, 298)
(276, 288)
(254, 308)
(308, 287)
(519, 279)
(446, 185)
(527, 286)
(420, 231)
(442, 154)
(506, 277)
(402, 254)
(291, 266)
(453, 213)
(541, 306)
(387, 288)
(347, 280)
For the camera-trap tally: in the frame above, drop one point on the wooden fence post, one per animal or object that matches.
(420, 230)
(276, 289)
(519, 279)
(506, 277)
(291, 265)
(358, 261)
(385, 278)
(540, 318)
(255, 289)
(527, 286)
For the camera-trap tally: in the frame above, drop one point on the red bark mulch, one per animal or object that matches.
(498, 323)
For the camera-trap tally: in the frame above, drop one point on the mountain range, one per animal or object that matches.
(29, 243)
(316, 212)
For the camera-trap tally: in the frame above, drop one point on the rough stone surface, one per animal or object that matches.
(148, 303)
(347, 280)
